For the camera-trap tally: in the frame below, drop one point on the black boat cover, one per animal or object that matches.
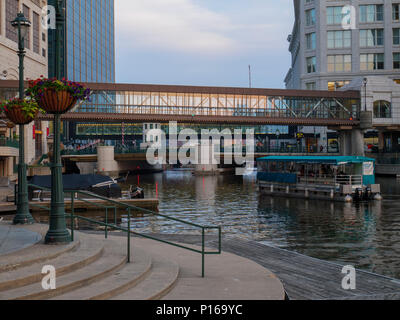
(72, 181)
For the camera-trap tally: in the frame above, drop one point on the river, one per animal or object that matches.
(366, 235)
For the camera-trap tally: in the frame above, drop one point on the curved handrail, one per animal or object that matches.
(130, 207)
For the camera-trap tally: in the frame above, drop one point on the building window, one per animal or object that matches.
(396, 12)
(382, 109)
(311, 86)
(339, 63)
(27, 39)
(371, 13)
(311, 64)
(310, 17)
(371, 38)
(339, 39)
(36, 32)
(334, 85)
(311, 41)
(396, 60)
(373, 61)
(396, 36)
(334, 15)
(11, 14)
(44, 52)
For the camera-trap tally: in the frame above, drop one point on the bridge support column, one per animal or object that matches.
(106, 164)
(345, 142)
(207, 164)
(352, 142)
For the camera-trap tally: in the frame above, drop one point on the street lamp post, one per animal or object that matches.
(365, 81)
(23, 216)
(57, 233)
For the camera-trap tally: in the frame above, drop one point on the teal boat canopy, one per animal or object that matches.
(334, 160)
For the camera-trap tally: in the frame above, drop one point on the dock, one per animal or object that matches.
(94, 204)
(304, 277)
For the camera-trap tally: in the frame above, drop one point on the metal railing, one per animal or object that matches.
(353, 180)
(7, 142)
(74, 197)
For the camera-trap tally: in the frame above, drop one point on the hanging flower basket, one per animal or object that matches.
(56, 96)
(57, 102)
(20, 111)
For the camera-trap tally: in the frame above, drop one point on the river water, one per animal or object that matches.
(366, 235)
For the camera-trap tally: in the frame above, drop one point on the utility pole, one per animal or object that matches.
(249, 76)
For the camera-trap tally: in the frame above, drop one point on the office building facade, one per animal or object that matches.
(334, 42)
(89, 53)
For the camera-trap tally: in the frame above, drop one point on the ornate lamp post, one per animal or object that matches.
(57, 233)
(23, 216)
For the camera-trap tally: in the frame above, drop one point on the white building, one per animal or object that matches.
(36, 64)
(334, 42)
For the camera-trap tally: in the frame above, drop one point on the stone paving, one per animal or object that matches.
(13, 238)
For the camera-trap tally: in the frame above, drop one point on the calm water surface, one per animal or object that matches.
(366, 235)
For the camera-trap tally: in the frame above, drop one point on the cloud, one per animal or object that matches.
(174, 25)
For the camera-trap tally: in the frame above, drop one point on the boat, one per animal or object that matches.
(98, 184)
(336, 178)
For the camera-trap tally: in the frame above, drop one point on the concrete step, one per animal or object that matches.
(112, 259)
(34, 254)
(161, 280)
(117, 283)
(87, 252)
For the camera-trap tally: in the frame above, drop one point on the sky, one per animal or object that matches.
(203, 42)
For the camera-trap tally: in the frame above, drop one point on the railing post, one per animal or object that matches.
(72, 215)
(220, 239)
(106, 229)
(202, 252)
(129, 235)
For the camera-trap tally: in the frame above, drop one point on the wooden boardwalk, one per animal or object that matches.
(304, 278)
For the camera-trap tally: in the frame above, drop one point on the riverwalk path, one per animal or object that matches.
(303, 277)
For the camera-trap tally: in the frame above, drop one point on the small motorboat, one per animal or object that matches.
(98, 184)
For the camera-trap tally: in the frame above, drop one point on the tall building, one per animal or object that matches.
(327, 54)
(336, 42)
(90, 49)
(35, 64)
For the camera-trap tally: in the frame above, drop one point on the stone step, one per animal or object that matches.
(87, 252)
(34, 254)
(160, 281)
(112, 259)
(119, 282)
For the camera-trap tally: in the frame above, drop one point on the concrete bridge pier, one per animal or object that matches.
(351, 142)
(207, 162)
(106, 163)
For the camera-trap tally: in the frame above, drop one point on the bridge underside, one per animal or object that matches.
(198, 119)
